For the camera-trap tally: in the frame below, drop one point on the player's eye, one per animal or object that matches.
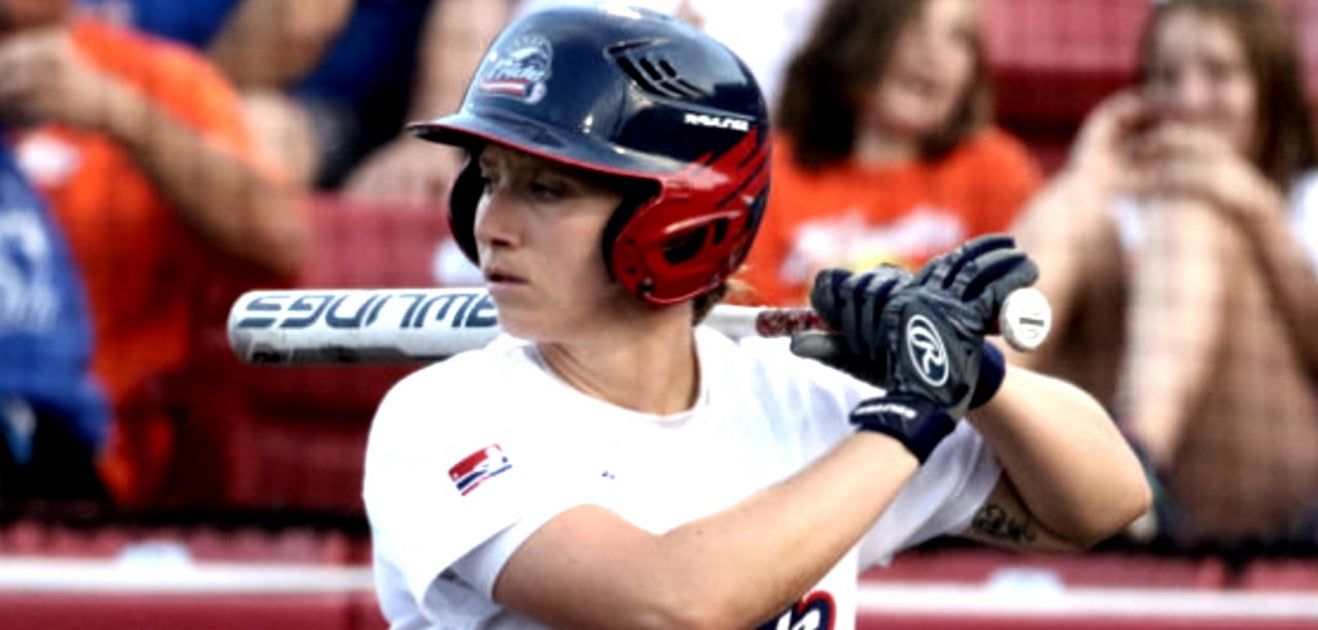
(546, 190)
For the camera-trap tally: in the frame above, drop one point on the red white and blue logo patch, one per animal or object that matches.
(519, 70)
(478, 467)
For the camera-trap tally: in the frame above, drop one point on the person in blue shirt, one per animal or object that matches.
(53, 418)
(324, 83)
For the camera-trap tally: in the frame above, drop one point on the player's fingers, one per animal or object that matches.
(991, 268)
(827, 348)
(945, 270)
(855, 320)
(884, 280)
(1013, 276)
(970, 255)
(826, 296)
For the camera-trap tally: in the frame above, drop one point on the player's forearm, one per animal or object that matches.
(1064, 455)
(228, 201)
(732, 569)
(272, 43)
(773, 547)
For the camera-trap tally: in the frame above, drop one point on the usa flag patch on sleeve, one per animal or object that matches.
(476, 468)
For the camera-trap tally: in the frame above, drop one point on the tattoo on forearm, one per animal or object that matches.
(996, 521)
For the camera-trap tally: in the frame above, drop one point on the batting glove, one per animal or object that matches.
(980, 275)
(850, 301)
(844, 301)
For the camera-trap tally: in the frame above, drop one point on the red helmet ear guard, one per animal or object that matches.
(697, 231)
(637, 95)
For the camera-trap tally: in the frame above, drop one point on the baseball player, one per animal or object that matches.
(609, 463)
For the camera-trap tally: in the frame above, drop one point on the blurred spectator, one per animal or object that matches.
(764, 34)
(1183, 282)
(405, 169)
(885, 151)
(140, 148)
(52, 417)
(327, 85)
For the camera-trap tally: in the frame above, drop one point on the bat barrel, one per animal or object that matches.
(359, 325)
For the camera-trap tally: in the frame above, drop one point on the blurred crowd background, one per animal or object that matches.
(158, 158)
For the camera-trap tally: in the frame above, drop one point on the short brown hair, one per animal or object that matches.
(841, 60)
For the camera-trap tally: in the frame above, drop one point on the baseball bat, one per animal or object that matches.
(341, 326)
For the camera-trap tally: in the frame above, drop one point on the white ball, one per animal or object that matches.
(1025, 319)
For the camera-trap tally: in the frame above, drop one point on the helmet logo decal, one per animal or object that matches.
(519, 70)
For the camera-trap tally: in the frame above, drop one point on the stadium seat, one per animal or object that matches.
(293, 438)
(981, 565)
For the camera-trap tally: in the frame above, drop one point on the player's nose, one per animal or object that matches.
(498, 218)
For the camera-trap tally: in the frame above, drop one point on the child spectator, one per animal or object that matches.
(885, 151)
(1181, 209)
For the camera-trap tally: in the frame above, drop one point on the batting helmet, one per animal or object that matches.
(631, 93)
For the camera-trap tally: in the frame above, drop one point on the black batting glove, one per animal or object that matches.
(833, 297)
(891, 333)
(850, 301)
(980, 275)
(915, 421)
(921, 338)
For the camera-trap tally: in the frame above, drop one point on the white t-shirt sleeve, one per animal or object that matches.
(445, 474)
(942, 498)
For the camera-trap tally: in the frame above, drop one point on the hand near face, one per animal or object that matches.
(1101, 150)
(1182, 159)
(43, 79)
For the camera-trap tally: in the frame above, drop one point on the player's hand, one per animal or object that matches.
(851, 301)
(978, 276)
(866, 310)
(987, 269)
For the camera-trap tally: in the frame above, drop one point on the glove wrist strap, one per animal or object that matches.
(992, 369)
(914, 421)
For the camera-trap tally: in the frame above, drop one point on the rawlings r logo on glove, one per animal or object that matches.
(921, 338)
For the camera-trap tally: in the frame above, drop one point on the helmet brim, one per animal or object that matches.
(471, 131)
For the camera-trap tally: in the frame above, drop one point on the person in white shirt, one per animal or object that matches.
(1188, 209)
(610, 463)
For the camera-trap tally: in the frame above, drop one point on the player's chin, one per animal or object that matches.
(522, 318)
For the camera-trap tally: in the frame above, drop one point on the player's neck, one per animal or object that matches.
(652, 371)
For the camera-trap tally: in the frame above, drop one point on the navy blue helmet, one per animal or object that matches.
(632, 93)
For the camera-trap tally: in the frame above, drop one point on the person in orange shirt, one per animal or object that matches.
(141, 150)
(884, 152)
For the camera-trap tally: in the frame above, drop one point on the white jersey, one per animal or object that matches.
(467, 458)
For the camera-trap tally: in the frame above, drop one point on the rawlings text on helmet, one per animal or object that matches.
(717, 122)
